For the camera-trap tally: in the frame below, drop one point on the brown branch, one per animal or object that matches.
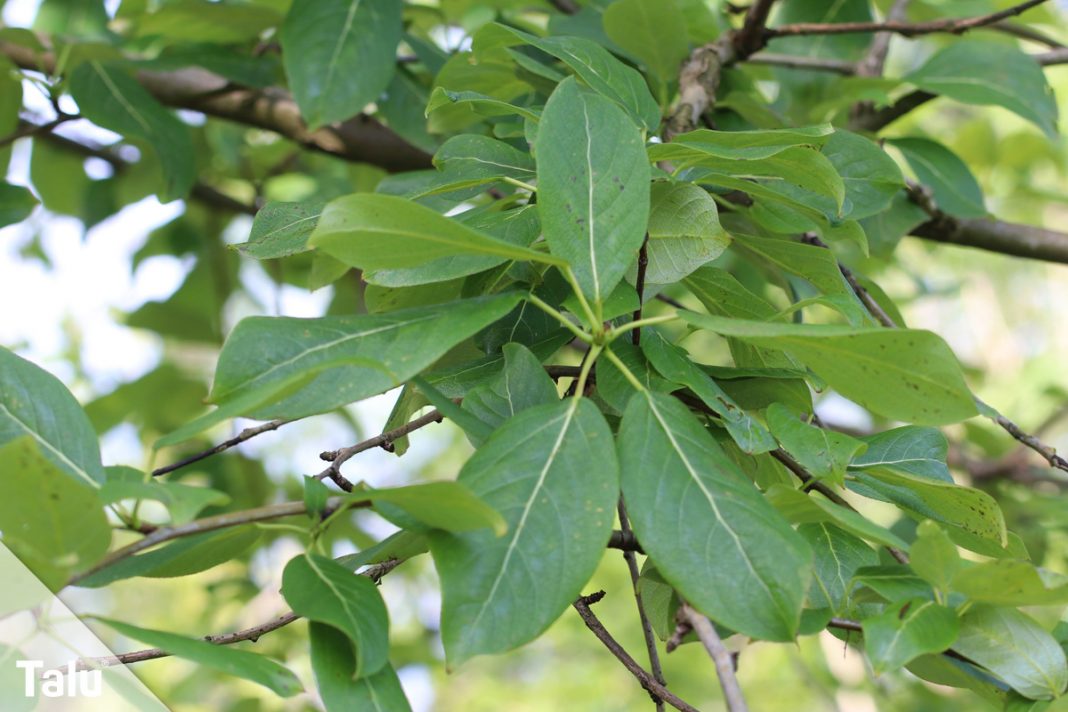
(836, 66)
(199, 526)
(923, 198)
(28, 128)
(872, 64)
(698, 84)
(753, 35)
(879, 118)
(956, 26)
(873, 307)
(721, 658)
(647, 681)
(568, 7)
(254, 633)
(988, 234)
(1055, 56)
(360, 139)
(246, 434)
(643, 617)
(1026, 33)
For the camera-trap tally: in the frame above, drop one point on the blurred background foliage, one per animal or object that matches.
(127, 300)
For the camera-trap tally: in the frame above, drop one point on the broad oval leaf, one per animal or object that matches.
(741, 145)
(955, 189)
(1015, 648)
(240, 663)
(551, 471)
(799, 508)
(906, 374)
(53, 523)
(593, 187)
(837, 557)
(710, 532)
(396, 346)
(324, 591)
(870, 176)
(339, 56)
(449, 506)
(33, 402)
(375, 232)
(907, 630)
(111, 98)
(684, 232)
(825, 453)
(16, 203)
(654, 31)
(282, 229)
(333, 661)
(521, 384)
(1009, 582)
(986, 73)
(910, 448)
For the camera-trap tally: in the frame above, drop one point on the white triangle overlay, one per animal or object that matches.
(40, 635)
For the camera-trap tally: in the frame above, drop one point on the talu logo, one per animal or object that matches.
(60, 683)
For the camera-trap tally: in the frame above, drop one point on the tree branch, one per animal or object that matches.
(752, 36)
(872, 64)
(994, 235)
(246, 434)
(721, 658)
(375, 573)
(361, 138)
(647, 681)
(836, 66)
(956, 26)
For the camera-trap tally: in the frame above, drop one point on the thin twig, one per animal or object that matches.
(956, 26)
(873, 307)
(647, 627)
(924, 199)
(27, 128)
(752, 36)
(647, 681)
(375, 573)
(819, 64)
(1026, 33)
(872, 64)
(246, 434)
(706, 633)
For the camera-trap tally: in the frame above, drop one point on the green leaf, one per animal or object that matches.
(53, 523)
(183, 502)
(33, 402)
(952, 184)
(483, 104)
(262, 351)
(191, 21)
(615, 388)
(1010, 582)
(683, 494)
(316, 495)
(593, 64)
(449, 506)
(231, 661)
(471, 159)
(973, 515)
(838, 555)
(693, 146)
(282, 229)
(816, 264)
(184, 557)
(907, 630)
(521, 384)
(800, 508)
(324, 591)
(870, 176)
(375, 232)
(519, 227)
(111, 98)
(1015, 648)
(401, 545)
(675, 365)
(905, 374)
(893, 583)
(654, 31)
(985, 73)
(339, 56)
(501, 592)
(333, 661)
(910, 448)
(824, 453)
(16, 204)
(934, 555)
(593, 187)
(684, 232)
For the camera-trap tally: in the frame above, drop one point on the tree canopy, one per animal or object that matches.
(631, 252)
